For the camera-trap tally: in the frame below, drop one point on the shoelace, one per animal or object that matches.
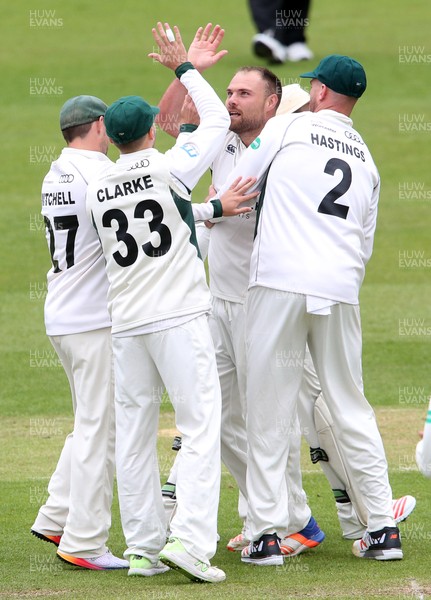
(202, 566)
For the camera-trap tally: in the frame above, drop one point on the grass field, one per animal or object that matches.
(52, 51)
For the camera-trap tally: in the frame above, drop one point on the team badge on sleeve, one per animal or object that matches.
(191, 149)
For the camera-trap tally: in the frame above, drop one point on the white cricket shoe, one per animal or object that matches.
(140, 565)
(266, 46)
(403, 507)
(237, 543)
(298, 51)
(176, 556)
(105, 562)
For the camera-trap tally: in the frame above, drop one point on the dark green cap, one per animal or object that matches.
(129, 118)
(341, 74)
(81, 110)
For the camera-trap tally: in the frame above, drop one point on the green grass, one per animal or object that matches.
(101, 48)
(30, 568)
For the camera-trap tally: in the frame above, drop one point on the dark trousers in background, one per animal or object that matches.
(286, 19)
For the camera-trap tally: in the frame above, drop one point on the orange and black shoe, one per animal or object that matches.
(53, 539)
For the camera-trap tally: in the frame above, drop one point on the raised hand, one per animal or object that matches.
(203, 49)
(171, 54)
(236, 195)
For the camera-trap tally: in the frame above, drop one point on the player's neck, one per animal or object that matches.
(345, 107)
(248, 137)
(82, 144)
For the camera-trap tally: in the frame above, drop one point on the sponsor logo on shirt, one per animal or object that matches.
(353, 136)
(230, 148)
(66, 178)
(191, 149)
(255, 144)
(141, 164)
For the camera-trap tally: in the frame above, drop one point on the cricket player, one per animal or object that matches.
(158, 301)
(319, 202)
(253, 96)
(77, 515)
(231, 248)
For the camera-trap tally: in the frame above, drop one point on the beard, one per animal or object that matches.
(242, 124)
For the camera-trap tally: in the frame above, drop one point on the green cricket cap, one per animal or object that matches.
(81, 110)
(129, 118)
(341, 74)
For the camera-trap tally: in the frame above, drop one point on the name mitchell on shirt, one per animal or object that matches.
(57, 198)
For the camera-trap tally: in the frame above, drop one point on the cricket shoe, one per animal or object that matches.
(53, 539)
(353, 529)
(298, 51)
(384, 544)
(403, 507)
(174, 555)
(105, 562)
(264, 552)
(237, 543)
(266, 46)
(309, 537)
(140, 565)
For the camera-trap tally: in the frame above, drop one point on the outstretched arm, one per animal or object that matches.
(203, 53)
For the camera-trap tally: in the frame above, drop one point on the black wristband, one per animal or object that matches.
(188, 127)
(186, 66)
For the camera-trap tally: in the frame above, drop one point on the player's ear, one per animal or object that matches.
(100, 124)
(323, 92)
(272, 101)
(152, 132)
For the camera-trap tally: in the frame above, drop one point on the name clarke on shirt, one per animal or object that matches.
(140, 184)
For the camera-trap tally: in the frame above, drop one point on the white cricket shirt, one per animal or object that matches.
(231, 239)
(76, 300)
(142, 210)
(318, 205)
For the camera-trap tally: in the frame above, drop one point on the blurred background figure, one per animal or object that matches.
(423, 448)
(281, 25)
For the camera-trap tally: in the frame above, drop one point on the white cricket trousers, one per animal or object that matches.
(81, 487)
(278, 328)
(182, 360)
(227, 324)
